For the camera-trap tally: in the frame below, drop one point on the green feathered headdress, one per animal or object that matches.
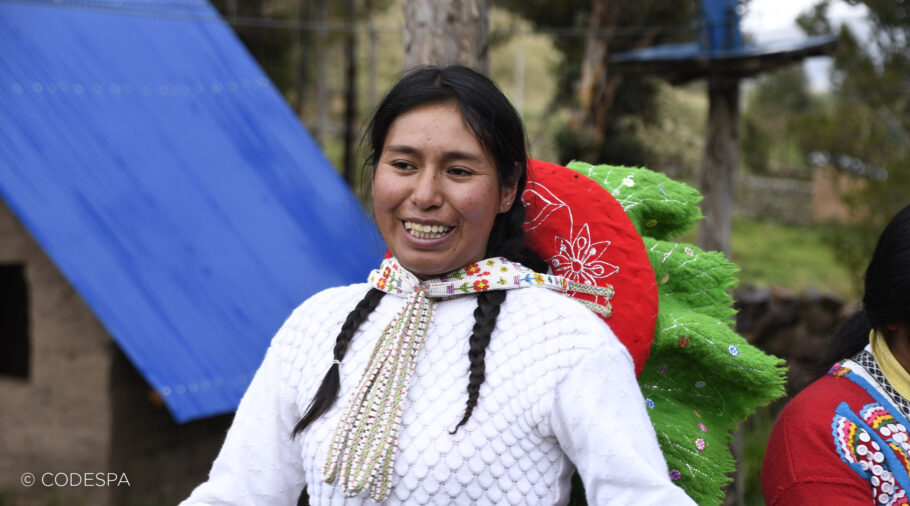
(700, 377)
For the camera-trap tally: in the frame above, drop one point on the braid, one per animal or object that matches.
(488, 304)
(328, 389)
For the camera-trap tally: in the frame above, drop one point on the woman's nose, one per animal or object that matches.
(427, 192)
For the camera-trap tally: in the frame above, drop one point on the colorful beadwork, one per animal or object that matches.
(858, 439)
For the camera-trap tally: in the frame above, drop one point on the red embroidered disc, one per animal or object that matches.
(584, 234)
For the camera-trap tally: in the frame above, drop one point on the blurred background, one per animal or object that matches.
(821, 129)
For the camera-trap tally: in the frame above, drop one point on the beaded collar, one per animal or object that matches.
(362, 449)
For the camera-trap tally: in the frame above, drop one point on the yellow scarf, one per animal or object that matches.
(891, 367)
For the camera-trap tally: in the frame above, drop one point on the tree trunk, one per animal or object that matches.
(719, 164)
(300, 77)
(442, 32)
(350, 95)
(322, 75)
(597, 86)
(592, 86)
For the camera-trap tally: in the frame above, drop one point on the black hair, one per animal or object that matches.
(498, 128)
(886, 297)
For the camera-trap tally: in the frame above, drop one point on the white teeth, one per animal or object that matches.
(426, 231)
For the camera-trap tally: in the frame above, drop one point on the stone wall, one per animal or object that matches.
(58, 419)
(84, 408)
(783, 200)
(795, 327)
(164, 460)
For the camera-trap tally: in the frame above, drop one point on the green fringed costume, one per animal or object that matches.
(701, 377)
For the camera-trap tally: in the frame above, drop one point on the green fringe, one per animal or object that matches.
(701, 377)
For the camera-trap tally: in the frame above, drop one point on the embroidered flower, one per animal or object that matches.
(381, 283)
(683, 342)
(702, 427)
(538, 278)
(481, 285)
(700, 444)
(491, 262)
(733, 350)
(649, 403)
(578, 259)
(472, 269)
(386, 272)
(675, 475)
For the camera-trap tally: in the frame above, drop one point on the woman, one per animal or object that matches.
(457, 378)
(843, 440)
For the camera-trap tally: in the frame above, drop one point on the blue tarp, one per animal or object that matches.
(165, 176)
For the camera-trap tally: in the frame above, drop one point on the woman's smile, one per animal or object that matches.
(436, 191)
(426, 231)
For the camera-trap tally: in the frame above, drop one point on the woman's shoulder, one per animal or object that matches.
(822, 397)
(322, 309)
(811, 444)
(806, 420)
(558, 319)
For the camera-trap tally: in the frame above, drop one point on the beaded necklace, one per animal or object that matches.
(363, 446)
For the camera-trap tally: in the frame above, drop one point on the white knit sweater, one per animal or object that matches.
(560, 390)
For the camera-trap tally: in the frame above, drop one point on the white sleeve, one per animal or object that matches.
(259, 463)
(601, 423)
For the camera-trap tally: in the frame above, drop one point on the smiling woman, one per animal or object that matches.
(435, 205)
(477, 381)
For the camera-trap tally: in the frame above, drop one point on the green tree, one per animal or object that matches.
(865, 123)
(606, 107)
(772, 123)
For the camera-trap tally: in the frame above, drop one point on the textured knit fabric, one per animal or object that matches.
(843, 440)
(560, 389)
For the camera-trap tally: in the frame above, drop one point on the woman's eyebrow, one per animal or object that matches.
(447, 156)
(402, 149)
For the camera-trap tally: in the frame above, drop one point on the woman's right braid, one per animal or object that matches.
(328, 389)
(488, 304)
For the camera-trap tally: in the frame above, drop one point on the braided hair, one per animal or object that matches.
(498, 128)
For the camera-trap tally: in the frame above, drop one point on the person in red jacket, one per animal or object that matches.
(844, 439)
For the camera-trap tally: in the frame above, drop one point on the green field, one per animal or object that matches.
(796, 258)
(790, 257)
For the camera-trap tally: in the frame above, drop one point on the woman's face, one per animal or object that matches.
(436, 191)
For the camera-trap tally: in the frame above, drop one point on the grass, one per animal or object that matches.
(786, 256)
(792, 257)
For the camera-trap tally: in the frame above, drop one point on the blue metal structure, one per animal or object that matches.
(720, 25)
(719, 50)
(151, 158)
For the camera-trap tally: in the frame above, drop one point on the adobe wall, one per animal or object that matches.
(164, 460)
(58, 420)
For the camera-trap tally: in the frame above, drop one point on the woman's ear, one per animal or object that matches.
(507, 197)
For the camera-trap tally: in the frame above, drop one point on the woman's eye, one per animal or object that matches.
(401, 165)
(460, 171)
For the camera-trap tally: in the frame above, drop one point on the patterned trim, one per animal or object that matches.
(496, 273)
(875, 445)
(865, 359)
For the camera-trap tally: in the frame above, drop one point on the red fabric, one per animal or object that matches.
(585, 235)
(801, 465)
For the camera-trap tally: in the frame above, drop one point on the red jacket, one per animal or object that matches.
(840, 441)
